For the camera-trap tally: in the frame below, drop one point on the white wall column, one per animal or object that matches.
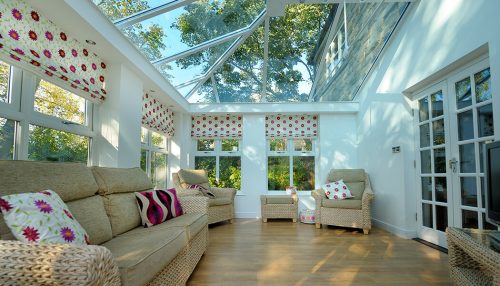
(180, 145)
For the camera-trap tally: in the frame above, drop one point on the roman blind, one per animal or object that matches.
(216, 126)
(156, 116)
(291, 126)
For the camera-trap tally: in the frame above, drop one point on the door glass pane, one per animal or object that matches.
(47, 144)
(441, 190)
(159, 170)
(206, 145)
(277, 144)
(303, 172)
(229, 172)
(469, 219)
(144, 160)
(7, 137)
(469, 191)
(438, 132)
(425, 135)
(55, 101)
(487, 225)
(441, 218)
(423, 107)
(467, 158)
(485, 120)
(481, 157)
(230, 145)
(437, 104)
(303, 145)
(482, 81)
(463, 92)
(207, 163)
(425, 158)
(427, 188)
(4, 82)
(278, 176)
(427, 215)
(483, 190)
(439, 160)
(465, 125)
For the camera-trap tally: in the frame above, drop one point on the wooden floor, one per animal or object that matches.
(249, 252)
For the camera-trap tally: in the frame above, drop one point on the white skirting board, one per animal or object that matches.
(247, 215)
(401, 232)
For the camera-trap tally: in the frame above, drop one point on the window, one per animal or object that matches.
(7, 135)
(46, 144)
(154, 157)
(291, 162)
(4, 82)
(221, 158)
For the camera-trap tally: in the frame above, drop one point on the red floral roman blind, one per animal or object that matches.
(216, 126)
(291, 126)
(36, 44)
(156, 116)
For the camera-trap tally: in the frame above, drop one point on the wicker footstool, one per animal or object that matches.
(277, 206)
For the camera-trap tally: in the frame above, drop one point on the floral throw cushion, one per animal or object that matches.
(337, 190)
(206, 192)
(158, 206)
(41, 217)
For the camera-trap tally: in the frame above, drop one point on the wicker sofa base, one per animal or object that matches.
(178, 271)
(220, 213)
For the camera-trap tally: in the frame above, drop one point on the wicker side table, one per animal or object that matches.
(279, 206)
(472, 260)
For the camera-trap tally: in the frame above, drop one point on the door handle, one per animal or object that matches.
(453, 165)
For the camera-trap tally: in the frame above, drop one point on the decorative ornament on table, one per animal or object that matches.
(291, 190)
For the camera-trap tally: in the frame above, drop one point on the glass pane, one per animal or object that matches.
(159, 170)
(4, 82)
(438, 132)
(483, 190)
(303, 145)
(144, 135)
(230, 145)
(207, 163)
(158, 140)
(7, 137)
(116, 10)
(206, 145)
(425, 158)
(469, 191)
(439, 160)
(144, 160)
(487, 225)
(441, 218)
(425, 135)
(47, 144)
(467, 158)
(463, 92)
(427, 215)
(469, 219)
(303, 172)
(185, 90)
(277, 144)
(230, 172)
(481, 157)
(204, 94)
(441, 191)
(423, 108)
(485, 120)
(437, 104)
(278, 173)
(53, 100)
(483, 89)
(465, 125)
(427, 188)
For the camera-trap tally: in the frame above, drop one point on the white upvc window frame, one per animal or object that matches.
(148, 146)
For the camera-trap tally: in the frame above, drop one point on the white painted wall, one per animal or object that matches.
(433, 35)
(180, 145)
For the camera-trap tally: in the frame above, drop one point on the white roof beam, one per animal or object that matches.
(263, 96)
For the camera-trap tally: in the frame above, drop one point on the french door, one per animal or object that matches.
(454, 121)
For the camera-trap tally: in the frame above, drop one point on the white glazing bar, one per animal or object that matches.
(214, 87)
(263, 96)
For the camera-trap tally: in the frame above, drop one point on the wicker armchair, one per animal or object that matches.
(353, 212)
(220, 208)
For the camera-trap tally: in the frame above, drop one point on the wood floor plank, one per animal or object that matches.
(249, 252)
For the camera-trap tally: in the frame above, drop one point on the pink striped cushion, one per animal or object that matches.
(158, 206)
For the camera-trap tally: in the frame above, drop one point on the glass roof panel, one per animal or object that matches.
(192, 66)
(119, 9)
(240, 77)
(186, 89)
(204, 94)
(178, 30)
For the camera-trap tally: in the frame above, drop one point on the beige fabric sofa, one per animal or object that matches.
(353, 212)
(103, 201)
(220, 208)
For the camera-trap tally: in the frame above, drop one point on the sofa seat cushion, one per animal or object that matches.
(279, 200)
(219, 201)
(140, 255)
(193, 223)
(341, 204)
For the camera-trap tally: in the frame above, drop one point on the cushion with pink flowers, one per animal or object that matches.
(337, 190)
(41, 217)
(158, 206)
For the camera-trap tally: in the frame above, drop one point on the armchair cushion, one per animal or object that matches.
(348, 175)
(220, 201)
(337, 190)
(357, 189)
(193, 177)
(279, 199)
(342, 204)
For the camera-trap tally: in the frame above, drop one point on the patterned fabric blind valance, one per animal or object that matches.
(291, 126)
(38, 45)
(216, 126)
(157, 116)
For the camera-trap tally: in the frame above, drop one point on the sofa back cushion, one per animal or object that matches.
(189, 177)
(90, 213)
(121, 180)
(71, 181)
(122, 211)
(353, 178)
